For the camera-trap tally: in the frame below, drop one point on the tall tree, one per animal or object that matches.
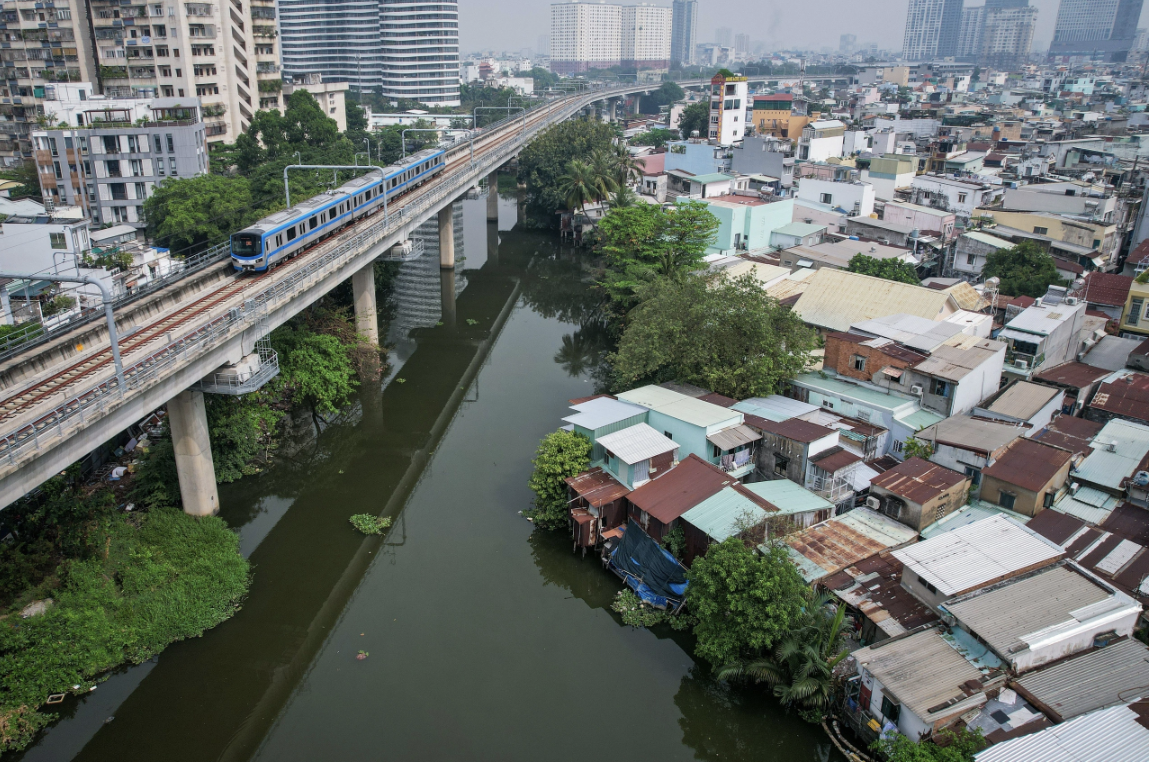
(744, 601)
(24, 173)
(186, 215)
(1023, 270)
(720, 333)
(695, 117)
(668, 93)
(888, 269)
(644, 242)
(560, 455)
(543, 162)
(578, 186)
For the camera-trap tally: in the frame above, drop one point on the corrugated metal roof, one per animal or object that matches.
(833, 545)
(873, 587)
(1029, 610)
(1074, 374)
(956, 358)
(1124, 393)
(602, 411)
(1023, 399)
(912, 331)
(597, 487)
(774, 408)
(720, 515)
(1042, 320)
(967, 297)
(1109, 469)
(713, 177)
(835, 299)
(788, 497)
(977, 510)
(735, 436)
(637, 443)
(923, 671)
(977, 553)
(799, 229)
(688, 409)
(1117, 674)
(1029, 463)
(918, 480)
(850, 391)
(1109, 735)
(976, 434)
(990, 240)
(920, 419)
(680, 489)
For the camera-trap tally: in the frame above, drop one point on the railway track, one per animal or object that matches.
(63, 382)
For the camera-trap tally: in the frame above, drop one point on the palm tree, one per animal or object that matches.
(804, 660)
(623, 198)
(627, 167)
(578, 185)
(603, 171)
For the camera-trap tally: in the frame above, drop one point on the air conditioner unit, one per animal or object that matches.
(873, 503)
(917, 389)
(1022, 364)
(1071, 301)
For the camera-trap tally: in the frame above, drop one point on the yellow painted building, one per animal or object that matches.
(1135, 317)
(1089, 235)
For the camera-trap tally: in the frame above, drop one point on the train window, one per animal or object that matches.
(278, 241)
(290, 234)
(332, 212)
(312, 222)
(268, 245)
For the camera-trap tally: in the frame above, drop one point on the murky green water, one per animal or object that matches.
(486, 640)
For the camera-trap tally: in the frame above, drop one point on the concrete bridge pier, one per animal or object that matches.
(365, 303)
(446, 237)
(492, 197)
(190, 429)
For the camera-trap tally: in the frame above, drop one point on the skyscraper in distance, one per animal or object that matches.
(683, 32)
(722, 36)
(1008, 28)
(1104, 29)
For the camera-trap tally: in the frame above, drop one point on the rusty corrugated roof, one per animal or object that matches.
(918, 480)
(597, 487)
(680, 489)
(1029, 464)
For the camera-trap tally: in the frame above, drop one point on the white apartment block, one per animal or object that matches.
(586, 36)
(646, 36)
(419, 50)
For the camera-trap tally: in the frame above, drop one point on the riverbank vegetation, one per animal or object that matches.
(560, 455)
(546, 160)
(87, 586)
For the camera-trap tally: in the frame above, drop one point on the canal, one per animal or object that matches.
(486, 640)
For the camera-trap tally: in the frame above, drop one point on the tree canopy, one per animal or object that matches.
(644, 242)
(187, 215)
(694, 117)
(544, 161)
(721, 333)
(273, 135)
(888, 269)
(959, 747)
(560, 454)
(654, 137)
(744, 601)
(1023, 270)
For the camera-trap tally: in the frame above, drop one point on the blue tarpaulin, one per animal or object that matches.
(649, 570)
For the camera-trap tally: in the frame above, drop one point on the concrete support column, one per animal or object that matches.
(638, 104)
(493, 240)
(365, 302)
(446, 236)
(492, 197)
(190, 429)
(449, 298)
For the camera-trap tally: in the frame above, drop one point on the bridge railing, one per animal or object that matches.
(95, 401)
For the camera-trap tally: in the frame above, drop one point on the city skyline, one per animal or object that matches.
(774, 23)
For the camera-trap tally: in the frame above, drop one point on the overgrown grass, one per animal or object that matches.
(158, 577)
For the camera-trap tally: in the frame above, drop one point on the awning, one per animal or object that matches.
(805, 263)
(890, 372)
(597, 487)
(736, 436)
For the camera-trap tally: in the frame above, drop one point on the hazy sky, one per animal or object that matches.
(513, 24)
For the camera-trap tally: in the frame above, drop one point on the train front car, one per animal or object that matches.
(247, 251)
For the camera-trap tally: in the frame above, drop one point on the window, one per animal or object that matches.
(312, 223)
(782, 462)
(291, 233)
(897, 445)
(668, 435)
(1007, 500)
(141, 192)
(57, 240)
(1049, 499)
(172, 166)
(52, 146)
(927, 584)
(962, 198)
(938, 387)
(829, 405)
(119, 193)
(889, 709)
(858, 362)
(169, 140)
(971, 259)
(56, 166)
(132, 144)
(111, 144)
(137, 167)
(1134, 310)
(157, 142)
(1040, 230)
(824, 198)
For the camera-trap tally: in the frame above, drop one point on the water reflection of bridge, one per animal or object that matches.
(417, 297)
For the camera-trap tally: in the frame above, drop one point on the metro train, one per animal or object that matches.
(287, 233)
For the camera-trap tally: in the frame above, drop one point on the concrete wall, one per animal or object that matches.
(920, 516)
(1027, 502)
(855, 198)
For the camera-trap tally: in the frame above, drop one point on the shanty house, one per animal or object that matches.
(969, 445)
(831, 546)
(724, 514)
(599, 416)
(1025, 403)
(637, 454)
(918, 492)
(657, 504)
(1027, 478)
(597, 504)
(793, 501)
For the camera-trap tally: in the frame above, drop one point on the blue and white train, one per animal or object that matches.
(287, 233)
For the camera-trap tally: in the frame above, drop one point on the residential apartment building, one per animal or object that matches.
(683, 32)
(409, 50)
(728, 109)
(1008, 28)
(586, 36)
(932, 29)
(226, 54)
(646, 36)
(419, 49)
(109, 163)
(1104, 29)
(40, 47)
